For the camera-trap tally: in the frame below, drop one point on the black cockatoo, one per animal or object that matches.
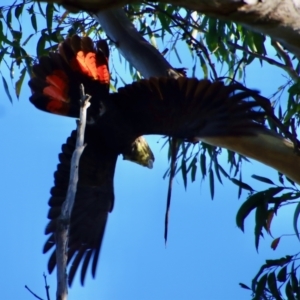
(185, 108)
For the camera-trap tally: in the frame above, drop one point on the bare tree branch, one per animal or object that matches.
(46, 286)
(287, 66)
(286, 58)
(135, 49)
(265, 147)
(277, 18)
(63, 222)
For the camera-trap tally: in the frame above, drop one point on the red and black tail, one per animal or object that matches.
(57, 77)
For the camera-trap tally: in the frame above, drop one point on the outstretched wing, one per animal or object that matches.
(94, 200)
(57, 77)
(187, 108)
(94, 197)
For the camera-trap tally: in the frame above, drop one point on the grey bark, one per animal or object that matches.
(279, 19)
(132, 45)
(63, 222)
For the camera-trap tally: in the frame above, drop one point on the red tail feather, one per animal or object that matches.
(55, 86)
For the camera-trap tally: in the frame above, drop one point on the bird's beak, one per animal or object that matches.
(150, 163)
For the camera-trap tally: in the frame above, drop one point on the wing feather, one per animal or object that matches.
(188, 108)
(94, 200)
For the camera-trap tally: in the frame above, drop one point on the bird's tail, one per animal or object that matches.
(57, 77)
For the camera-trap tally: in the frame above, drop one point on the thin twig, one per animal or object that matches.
(31, 292)
(269, 60)
(282, 53)
(237, 68)
(173, 165)
(63, 221)
(46, 286)
(292, 136)
(195, 42)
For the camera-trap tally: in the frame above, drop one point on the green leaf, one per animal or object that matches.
(177, 54)
(262, 179)
(279, 112)
(240, 187)
(281, 276)
(244, 286)
(27, 59)
(40, 48)
(216, 165)
(33, 22)
(56, 35)
(194, 170)
(275, 243)
(272, 284)
(30, 9)
(184, 172)
(27, 40)
(49, 16)
(290, 181)
(223, 171)
(284, 198)
(261, 216)
(20, 82)
(294, 281)
(41, 10)
(203, 66)
(254, 280)
(203, 164)
(6, 89)
(294, 88)
(260, 287)
(254, 201)
(19, 10)
(295, 219)
(1, 31)
(280, 178)
(251, 203)
(258, 41)
(8, 17)
(242, 184)
(278, 262)
(211, 183)
(289, 291)
(212, 35)
(165, 23)
(271, 192)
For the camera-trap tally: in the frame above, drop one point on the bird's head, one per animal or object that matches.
(140, 153)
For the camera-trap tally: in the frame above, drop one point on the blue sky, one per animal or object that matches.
(206, 255)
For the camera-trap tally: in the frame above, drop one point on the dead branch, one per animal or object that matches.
(63, 222)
